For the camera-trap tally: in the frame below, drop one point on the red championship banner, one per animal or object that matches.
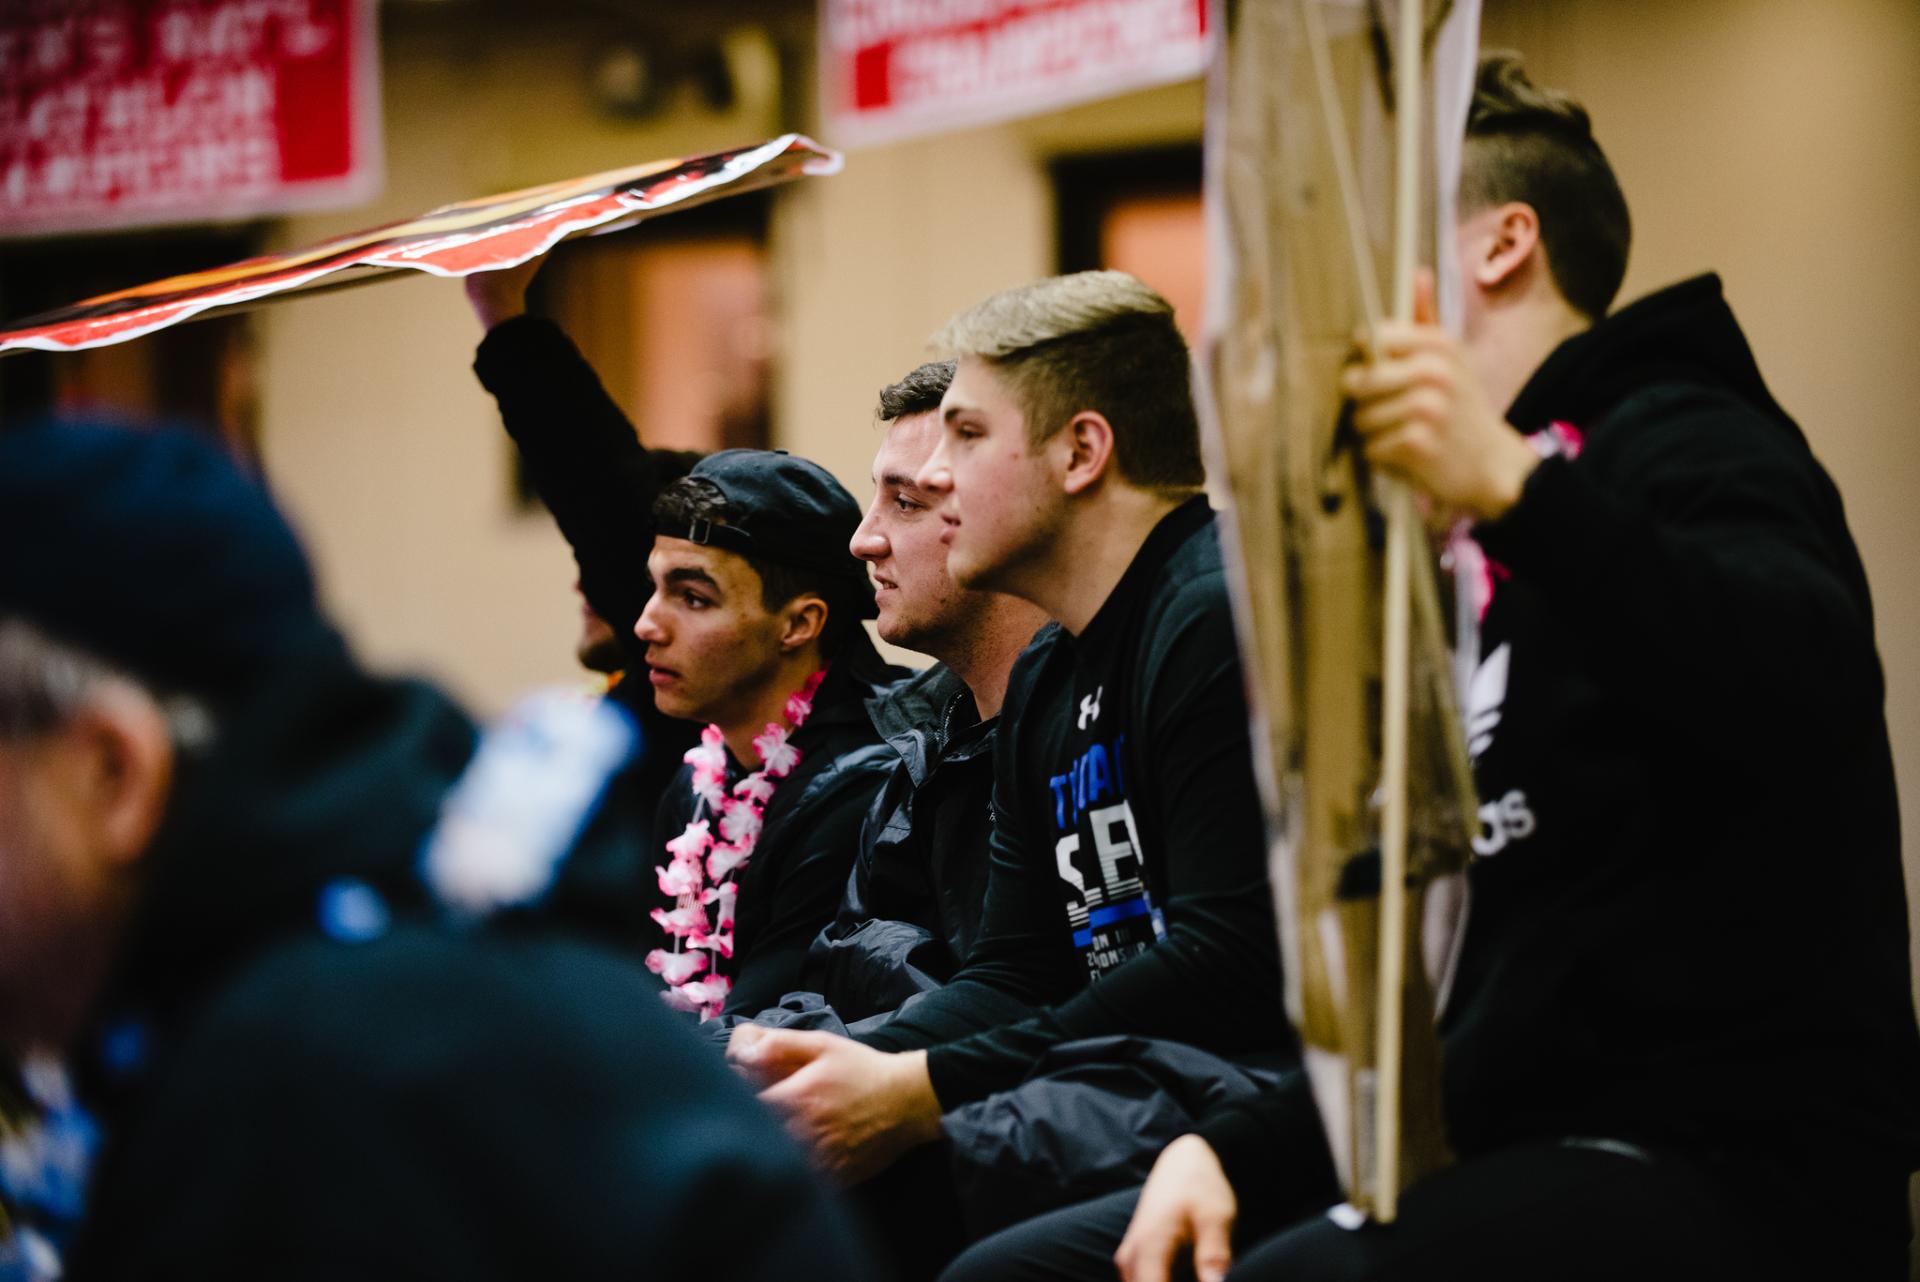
(454, 240)
(893, 69)
(123, 113)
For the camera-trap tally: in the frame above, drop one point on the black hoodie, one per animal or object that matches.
(417, 1096)
(1688, 921)
(1126, 887)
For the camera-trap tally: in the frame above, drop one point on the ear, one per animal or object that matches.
(802, 620)
(1504, 240)
(116, 762)
(1087, 442)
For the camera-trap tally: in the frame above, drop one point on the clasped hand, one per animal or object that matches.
(856, 1108)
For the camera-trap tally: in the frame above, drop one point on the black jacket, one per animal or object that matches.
(805, 850)
(291, 1092)
(1127, 891)
(1688, 923)
(922, 864)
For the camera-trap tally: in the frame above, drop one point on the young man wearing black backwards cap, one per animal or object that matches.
(322, 1013)
(754, 629)
(1680, 1041)
(1127, 892)
(912, 907)
(729, 583)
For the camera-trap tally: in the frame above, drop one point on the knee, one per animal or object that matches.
(987, 1260)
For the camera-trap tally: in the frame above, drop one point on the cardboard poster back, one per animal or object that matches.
(1301, 90)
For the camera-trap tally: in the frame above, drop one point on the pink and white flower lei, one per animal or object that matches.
(706, 864)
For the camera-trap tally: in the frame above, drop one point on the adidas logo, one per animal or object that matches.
(1485, 694)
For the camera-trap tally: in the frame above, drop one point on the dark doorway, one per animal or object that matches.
(198, 374)
(1138, 212)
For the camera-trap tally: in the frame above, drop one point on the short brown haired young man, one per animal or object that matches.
(912, 907)
(1127, 893)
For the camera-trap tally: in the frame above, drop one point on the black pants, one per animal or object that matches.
(1573, 1210)
(1078, 1242)
(1570, 1211)
(910, 1214)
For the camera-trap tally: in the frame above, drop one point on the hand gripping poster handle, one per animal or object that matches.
(1321, 119)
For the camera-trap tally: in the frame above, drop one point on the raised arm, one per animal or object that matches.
(581, 453)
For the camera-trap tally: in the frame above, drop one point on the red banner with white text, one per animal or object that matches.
(894, 69)
(125, 113)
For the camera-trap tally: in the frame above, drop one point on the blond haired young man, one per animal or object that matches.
(1127, 893)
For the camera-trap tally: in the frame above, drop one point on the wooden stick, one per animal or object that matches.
(1402, 530)
(1335, 122)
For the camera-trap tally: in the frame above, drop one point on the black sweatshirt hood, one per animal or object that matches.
(1683, 334)
(321, 772)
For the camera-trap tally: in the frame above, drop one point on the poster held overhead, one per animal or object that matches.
(455, 240)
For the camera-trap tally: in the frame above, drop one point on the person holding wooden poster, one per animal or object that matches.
(1680, 1041)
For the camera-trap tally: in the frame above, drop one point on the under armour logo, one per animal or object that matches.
(1090, 707)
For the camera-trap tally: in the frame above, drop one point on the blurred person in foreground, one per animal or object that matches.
(282, 952)
(1680, 1042)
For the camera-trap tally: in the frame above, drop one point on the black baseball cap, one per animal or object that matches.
(787, 510)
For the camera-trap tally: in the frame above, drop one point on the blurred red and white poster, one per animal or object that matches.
(454, 240)
(894, 69)
(125, 113)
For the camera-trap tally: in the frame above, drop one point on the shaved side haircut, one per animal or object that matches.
(1536, 146)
